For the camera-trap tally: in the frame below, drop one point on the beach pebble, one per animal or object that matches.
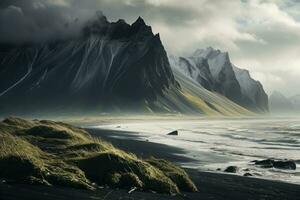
(231, 169)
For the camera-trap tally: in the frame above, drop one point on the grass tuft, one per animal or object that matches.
(53, 153)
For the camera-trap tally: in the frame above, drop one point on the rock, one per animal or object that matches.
(219, 169)
(173, 133)
(231, 169)
(279, 164)
(264, 163)
(248, 174)
(291, 165)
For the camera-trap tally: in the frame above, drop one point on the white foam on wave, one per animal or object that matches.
(215, 144)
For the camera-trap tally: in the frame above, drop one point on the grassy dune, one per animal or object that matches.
(57, 154)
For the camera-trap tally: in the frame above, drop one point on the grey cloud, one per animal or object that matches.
(261, 35)
(37, 21)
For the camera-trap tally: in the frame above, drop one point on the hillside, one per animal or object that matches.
(57, 154)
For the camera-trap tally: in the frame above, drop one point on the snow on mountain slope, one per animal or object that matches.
(213, 70)
(252, 90)
(194, 67)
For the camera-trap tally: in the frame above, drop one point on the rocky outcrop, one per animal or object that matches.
(213, 70)
(279, 164)
(195, 67)
(110, 64)
(173, 133)
(253, 92)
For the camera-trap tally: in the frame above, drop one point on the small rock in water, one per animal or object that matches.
(279, 164)
(285, 165)
(219, 169)
(231, 169)
(248, 174)
(173, 133)
(264, 163)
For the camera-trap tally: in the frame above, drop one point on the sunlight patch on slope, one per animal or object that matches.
(200, 104)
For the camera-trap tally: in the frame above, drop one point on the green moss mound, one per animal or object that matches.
(23, 162)
(54, 153)
(176, 174)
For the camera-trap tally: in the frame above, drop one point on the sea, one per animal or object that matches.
(215, 144)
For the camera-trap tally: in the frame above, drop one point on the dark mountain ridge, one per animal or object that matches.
(108, 63)
(108, 67)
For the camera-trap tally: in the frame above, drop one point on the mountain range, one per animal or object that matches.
(118, 67)
(213, 69)
(280, 104)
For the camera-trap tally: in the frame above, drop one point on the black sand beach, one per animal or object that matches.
(210, 185)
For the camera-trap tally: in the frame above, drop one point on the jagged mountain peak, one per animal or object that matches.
(212, 68)
(140, 22)
(101, 27)
(210, 52)
(111, 61)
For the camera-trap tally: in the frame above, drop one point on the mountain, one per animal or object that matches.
(195, 67)
(213, 70)
(110, 67)
(280, 104)
(296, 101)
(252, 90)
(109, 62)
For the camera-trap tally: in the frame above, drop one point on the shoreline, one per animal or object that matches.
(211, 185)
(236, 186)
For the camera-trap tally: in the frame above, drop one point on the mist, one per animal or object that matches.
(36, 21)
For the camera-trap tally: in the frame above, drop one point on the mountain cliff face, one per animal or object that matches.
(107, 64)
(110, 67)
(213, 70)
(252, 90)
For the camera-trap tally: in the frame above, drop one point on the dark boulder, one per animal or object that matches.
(279, 164)
(173, 133)
(268, 163)
(289, 164)
(231, 169)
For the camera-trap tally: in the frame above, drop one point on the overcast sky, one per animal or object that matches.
(260, 35)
